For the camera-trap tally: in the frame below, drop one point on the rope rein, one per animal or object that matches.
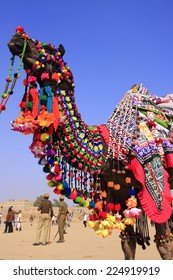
(8, 92)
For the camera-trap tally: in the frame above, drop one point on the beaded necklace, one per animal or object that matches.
(82, 142)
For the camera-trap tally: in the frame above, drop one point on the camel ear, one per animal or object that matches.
(61, 50)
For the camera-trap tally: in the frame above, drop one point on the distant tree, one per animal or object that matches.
(38, 200)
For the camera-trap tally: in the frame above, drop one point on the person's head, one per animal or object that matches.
(10, 208)
(61, 197)
(46, 195)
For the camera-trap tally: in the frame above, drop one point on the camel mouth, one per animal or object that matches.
(14, 49)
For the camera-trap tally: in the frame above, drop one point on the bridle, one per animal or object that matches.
(9, 91)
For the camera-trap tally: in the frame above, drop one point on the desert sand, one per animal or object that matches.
(80, 244)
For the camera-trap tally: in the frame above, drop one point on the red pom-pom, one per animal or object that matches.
(93, 217)
(19, 29)
(56, 191)
(22, 105)
(73, 195)
(93, 194)
(50, 176)
(111, 206)
(25, 82)
(56, 169)
(2, 108)
(102, 214)
(117, 207)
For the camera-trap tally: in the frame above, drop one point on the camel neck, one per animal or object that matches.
(80, 142)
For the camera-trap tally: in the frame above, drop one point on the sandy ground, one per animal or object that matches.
(80, 244)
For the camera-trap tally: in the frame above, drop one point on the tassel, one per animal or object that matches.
(34, 95)
(142, 231)
(49, 99)
(41, 94)
(55, 110)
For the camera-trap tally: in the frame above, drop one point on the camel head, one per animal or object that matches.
(39, 58)
(16, 47)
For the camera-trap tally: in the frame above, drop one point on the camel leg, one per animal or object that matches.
(164, 242)
(128, 243)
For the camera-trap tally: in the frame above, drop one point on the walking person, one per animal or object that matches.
(0, 218)
(85, 218)
(31, 219)
(44, 222)
(9, 220)
(53, 220)
(61, 219)
(19, 221)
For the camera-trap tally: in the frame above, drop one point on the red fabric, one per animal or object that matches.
(146, 200)
(104, 133)
(169, 160)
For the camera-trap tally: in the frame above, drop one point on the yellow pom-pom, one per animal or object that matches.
(50, 184)
(44, 137)
(60, 187)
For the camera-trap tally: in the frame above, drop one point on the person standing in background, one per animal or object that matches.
(44, 222)
(9, 220)
(31, 219)
(53, 220)
(85, 219)
(0, 218)
(61, 219)
(19, 221)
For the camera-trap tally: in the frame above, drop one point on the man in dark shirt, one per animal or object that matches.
(46, 213)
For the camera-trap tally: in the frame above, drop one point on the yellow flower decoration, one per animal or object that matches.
(103, 233)
(131, 202)
(119, 225)
(110, 218)
(129, 221)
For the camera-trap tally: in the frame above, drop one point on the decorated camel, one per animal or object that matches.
(120, 170)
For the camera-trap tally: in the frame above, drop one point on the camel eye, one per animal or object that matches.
(18, 45)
